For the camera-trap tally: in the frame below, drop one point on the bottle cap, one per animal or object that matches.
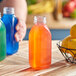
(8, 10)
(40, 19)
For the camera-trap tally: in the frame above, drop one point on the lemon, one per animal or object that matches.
(65, 41)
(72, 45)
(69, 43)
(73, 31)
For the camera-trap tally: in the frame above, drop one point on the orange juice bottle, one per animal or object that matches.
(39, 44)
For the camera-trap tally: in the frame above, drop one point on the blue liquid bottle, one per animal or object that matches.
(10, 22)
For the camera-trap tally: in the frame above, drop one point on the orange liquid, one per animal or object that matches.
(39, 47)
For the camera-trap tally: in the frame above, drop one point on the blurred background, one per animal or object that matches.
(60, 14)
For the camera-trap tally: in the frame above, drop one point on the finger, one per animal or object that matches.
(19, 26)
(19, 36)
(21, 22)
(22, 30)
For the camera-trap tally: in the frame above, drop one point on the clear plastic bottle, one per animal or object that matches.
(10, 22)
(40, 44)
(2, 40)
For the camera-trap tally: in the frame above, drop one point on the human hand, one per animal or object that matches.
(21, 30)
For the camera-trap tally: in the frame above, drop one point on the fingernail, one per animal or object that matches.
(17, 37)
(17, 27)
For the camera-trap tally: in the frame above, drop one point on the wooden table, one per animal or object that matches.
(18, 64)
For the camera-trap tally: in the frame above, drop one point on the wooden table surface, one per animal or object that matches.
(18, 64)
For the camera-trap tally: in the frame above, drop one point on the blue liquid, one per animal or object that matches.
(10, 22)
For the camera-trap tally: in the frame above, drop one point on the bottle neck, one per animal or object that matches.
(39, 20)
(8, 10)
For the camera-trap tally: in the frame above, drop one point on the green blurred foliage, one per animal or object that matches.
(73, 15)
(63, 3)
(29, 2)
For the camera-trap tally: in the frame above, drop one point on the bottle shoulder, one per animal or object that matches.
(5, 16)
(47, 29)
(8, 19)
(40, 28)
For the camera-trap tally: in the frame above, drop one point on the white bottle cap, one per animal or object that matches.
(8, 10)
(40, 19)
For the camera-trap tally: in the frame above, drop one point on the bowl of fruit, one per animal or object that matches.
(69, 9)
(67, 46)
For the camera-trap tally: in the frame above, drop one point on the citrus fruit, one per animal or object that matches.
(73, 31)
(69, 43)
(65, 43)
(72, 45)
